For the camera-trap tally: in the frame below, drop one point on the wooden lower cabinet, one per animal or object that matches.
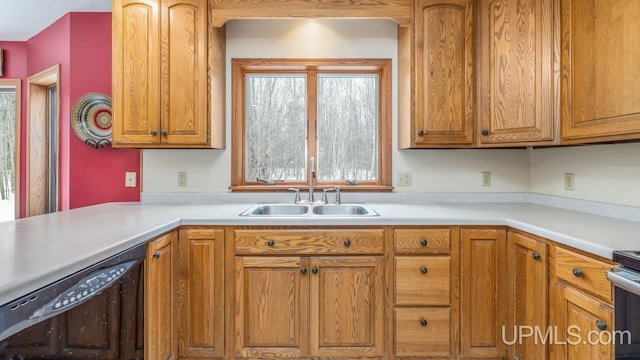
(483, 292)
(584, 326)
(527, 269)
(301, 307)
(161, 271)
(423, 332)
(201, 294)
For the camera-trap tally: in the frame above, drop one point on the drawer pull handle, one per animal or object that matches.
(164, 133)
(423, 322)
(314, 270)
(423, 270)
(421, 133)
(577, 272)
(156, 255)
(347, 243)
(154, 132)
(303, 271)
(271, 243)
(601, 325)
(485, 132)
(535, 255)
(423, 242)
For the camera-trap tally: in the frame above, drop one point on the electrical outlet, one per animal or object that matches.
(570, 181)
(182, 178)
(130, 179)
(404, 178)
(486, 178)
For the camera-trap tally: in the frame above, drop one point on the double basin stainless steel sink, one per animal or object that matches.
(342, 210)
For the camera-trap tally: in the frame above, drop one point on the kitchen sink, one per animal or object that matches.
(276, 210)
(295, 210)
(344, 210)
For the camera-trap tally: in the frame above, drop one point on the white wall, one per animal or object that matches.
(606, 173)
(432, 170)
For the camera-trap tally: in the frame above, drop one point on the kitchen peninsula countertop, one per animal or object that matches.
(37, 251)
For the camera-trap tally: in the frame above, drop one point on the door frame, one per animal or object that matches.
(36, 143)
(17, 83)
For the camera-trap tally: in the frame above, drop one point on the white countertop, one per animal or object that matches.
(37, 251)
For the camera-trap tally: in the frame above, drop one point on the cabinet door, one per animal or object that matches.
(516, 72)
(136, 76)
(483, 292)
(527, 266)
(600, 70)
(580, 321)
(161, 272)
(201, 294)
(423, 332)
(184, 72)
(444, 72)
(347, 307)
(272, 302)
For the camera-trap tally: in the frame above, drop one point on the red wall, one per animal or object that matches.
(81, 44)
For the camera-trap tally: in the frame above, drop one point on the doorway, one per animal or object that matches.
(10, 116)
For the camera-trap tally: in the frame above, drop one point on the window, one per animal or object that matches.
(288, 111)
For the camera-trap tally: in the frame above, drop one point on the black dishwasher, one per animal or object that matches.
(96, 313)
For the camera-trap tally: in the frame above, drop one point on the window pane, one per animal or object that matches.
(276, 120)
(347, 127)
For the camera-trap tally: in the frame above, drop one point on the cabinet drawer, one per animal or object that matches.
(422, 280)
(422, 332)
(309, 241)
(584, 272)
(422, 241)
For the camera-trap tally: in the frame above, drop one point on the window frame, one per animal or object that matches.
(312, 67)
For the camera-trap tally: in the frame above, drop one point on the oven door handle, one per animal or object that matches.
(623, 283)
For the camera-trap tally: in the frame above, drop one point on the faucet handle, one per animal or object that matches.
(297, 200)
(337, 188)
(324, 195)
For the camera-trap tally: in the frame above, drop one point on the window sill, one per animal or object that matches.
(285, 188)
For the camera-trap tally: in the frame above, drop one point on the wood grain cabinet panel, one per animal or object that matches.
(167, 82)
(347, 308)
(161, 271)
(483, 292)
(422, 280)
(422, 241)
(201, 293)
(580, 319)
(600, 70)
(583, 272)
(439, 49)
(516, 72)
(422, 332)
(527, 269)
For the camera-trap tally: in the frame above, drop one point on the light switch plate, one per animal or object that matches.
(404, 178)
(486, 178)
(182, 178)
(570, 181)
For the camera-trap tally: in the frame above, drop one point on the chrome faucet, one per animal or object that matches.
(312, 171)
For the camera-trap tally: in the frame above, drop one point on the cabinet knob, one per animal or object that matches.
(156, 255)
(347, 243)
(601, 325)
(423, 270)
(164, 133)
(154, 132)
(535, 255)
(577, 272)
(423, 242)
(423, 322)
(271, 243)
(314, 270)
(421, 133)
(485, 132)
(303, 271)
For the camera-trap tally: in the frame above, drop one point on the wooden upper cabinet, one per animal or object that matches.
(600, 91)
(439, 48)
(516, 84)
(168, 75)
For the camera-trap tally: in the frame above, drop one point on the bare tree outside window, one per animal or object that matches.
(276, 115)
(347, 127)
(7, 143)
